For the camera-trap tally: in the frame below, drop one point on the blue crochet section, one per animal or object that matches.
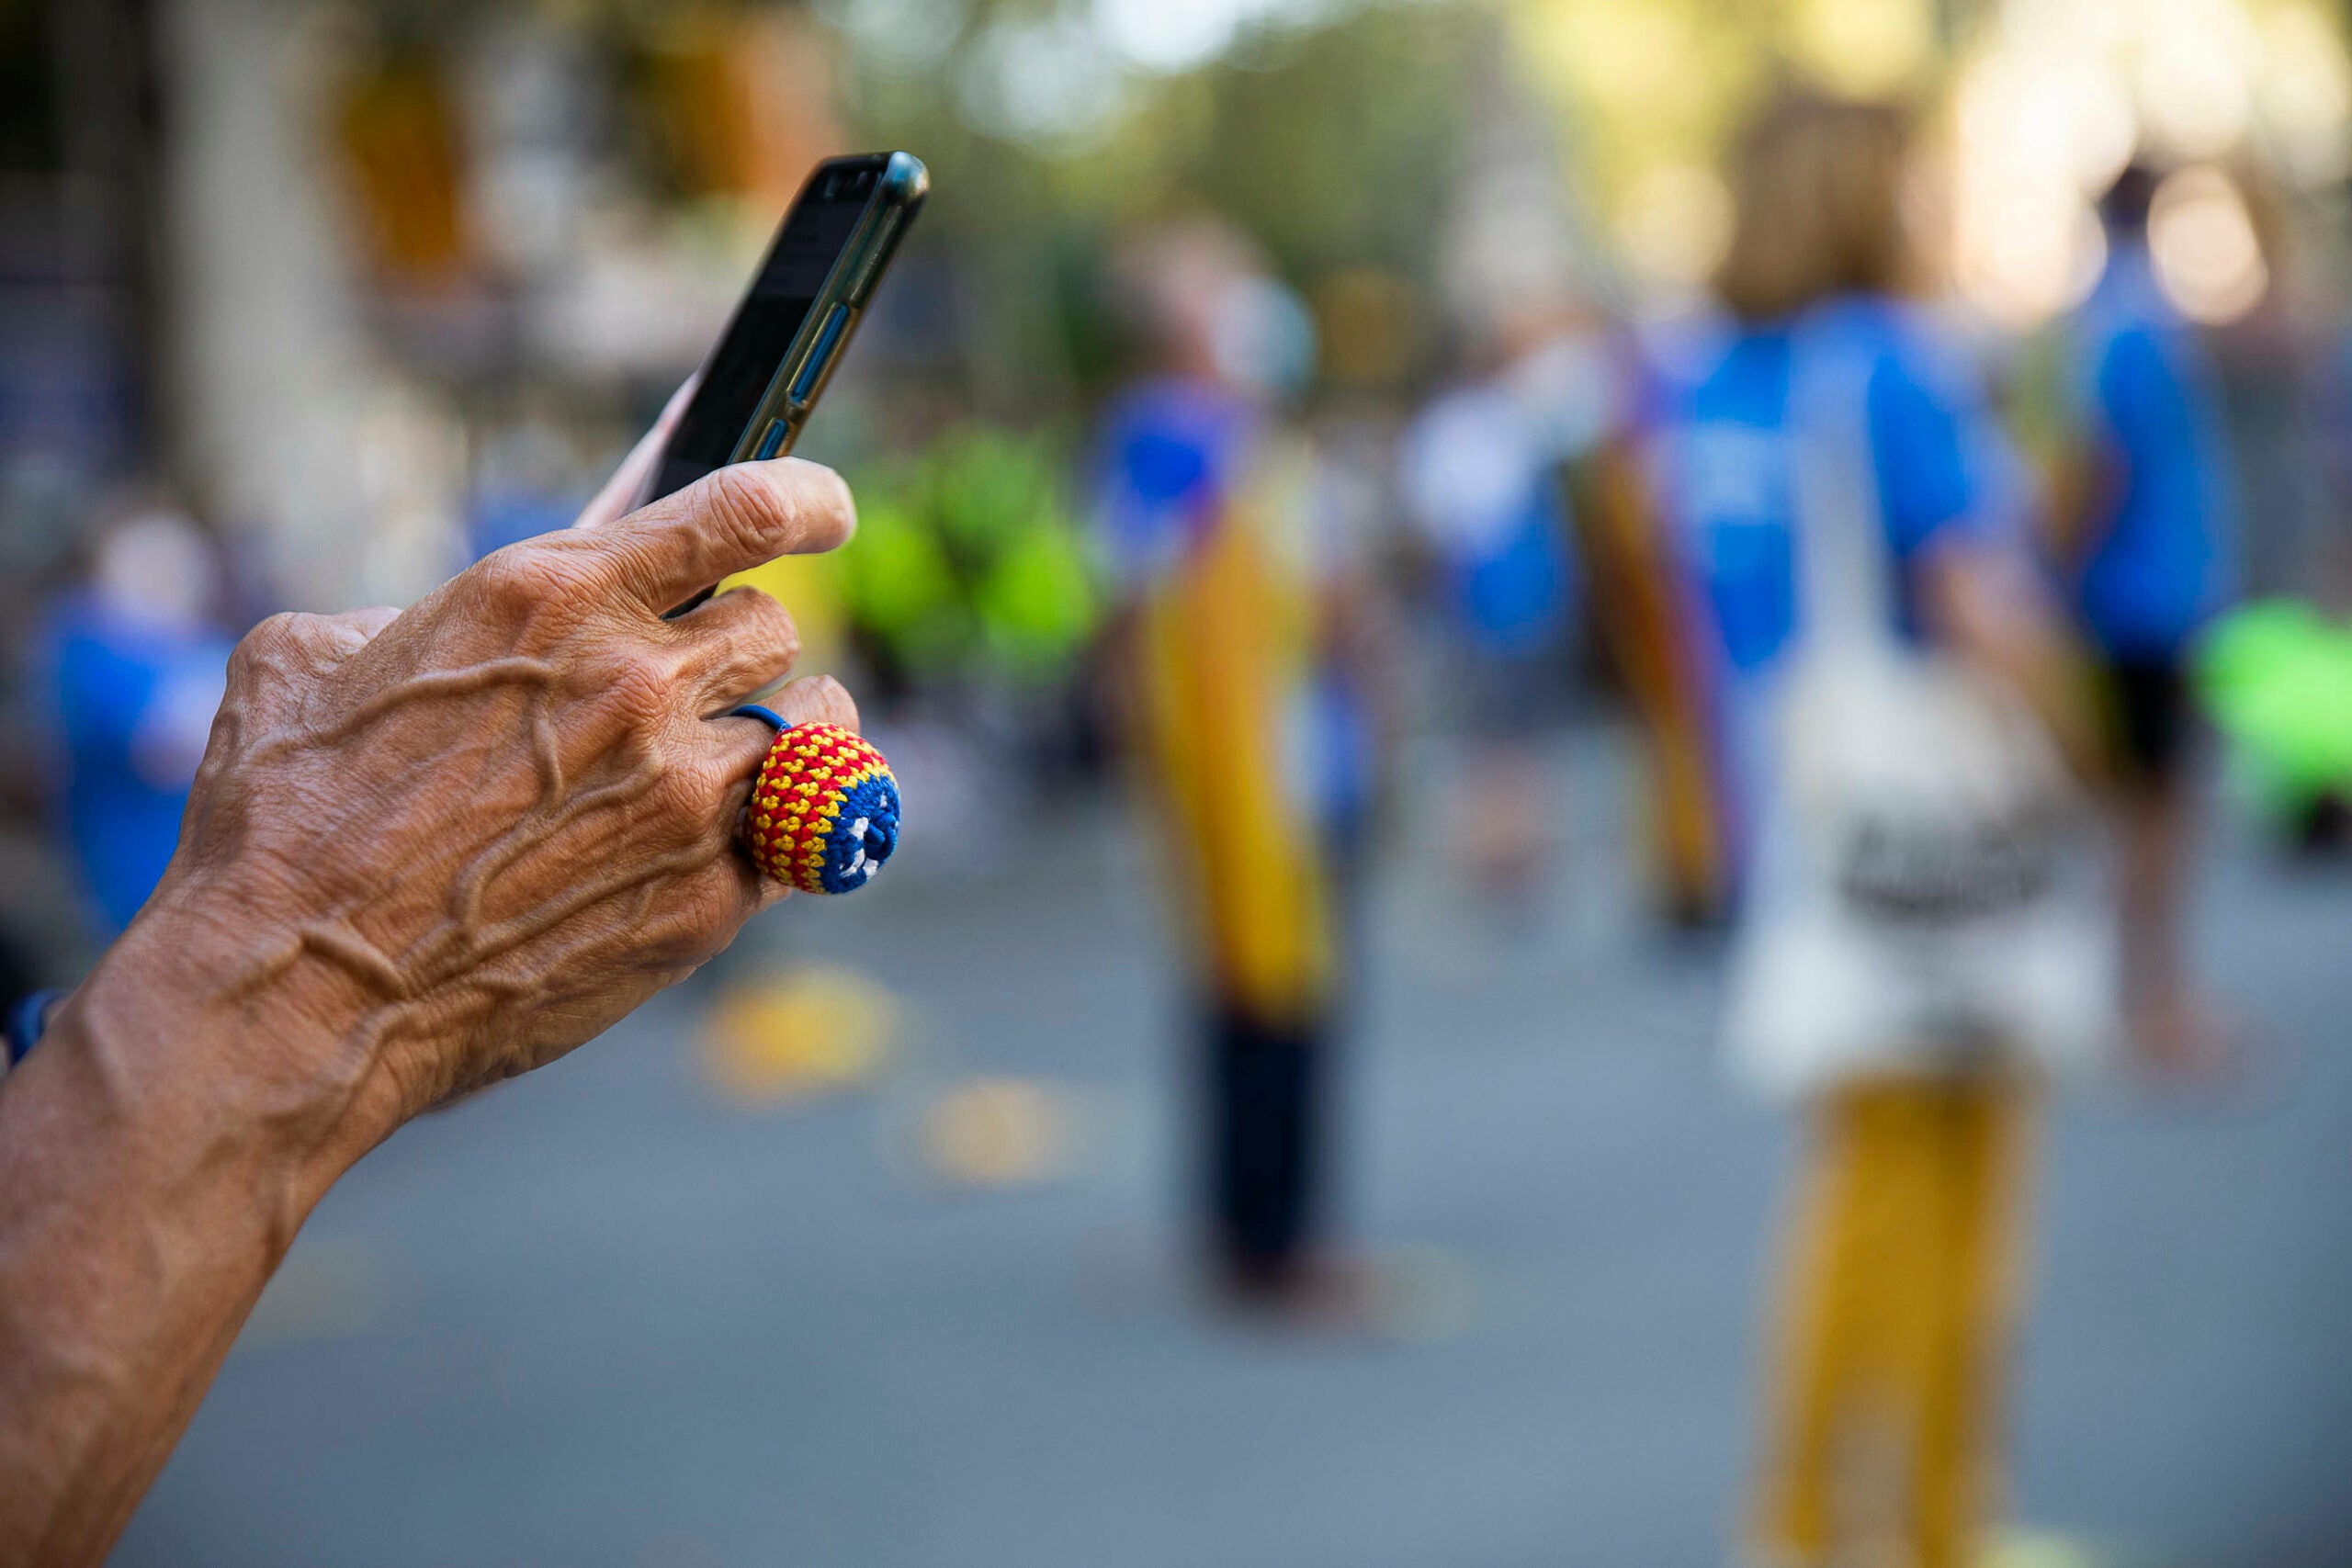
(862, 836)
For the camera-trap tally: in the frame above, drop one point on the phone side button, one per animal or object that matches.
(812, 369)
(771, 441)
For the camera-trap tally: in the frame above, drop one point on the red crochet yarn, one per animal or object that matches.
(824, 814)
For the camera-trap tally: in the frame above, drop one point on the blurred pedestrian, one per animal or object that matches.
(2143, 526)
(1241, 654)
(132, 660)
(1483, 471)
(1887, 684)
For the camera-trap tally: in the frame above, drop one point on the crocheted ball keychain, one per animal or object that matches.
(824, 814)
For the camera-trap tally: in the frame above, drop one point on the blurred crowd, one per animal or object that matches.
(1933, 447)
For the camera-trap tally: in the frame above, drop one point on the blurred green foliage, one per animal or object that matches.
(968, 561)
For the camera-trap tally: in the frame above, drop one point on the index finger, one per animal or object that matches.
(727, 521)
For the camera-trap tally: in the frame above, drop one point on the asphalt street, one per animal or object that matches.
(612, 1314)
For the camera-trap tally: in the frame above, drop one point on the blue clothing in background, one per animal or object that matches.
(1169, 458)
(1514, 599)
(1942, 473)
(1931, 441)
(1480, 468)
(2160, 561)
(1180, 458)
(506, 516)
(132, 702)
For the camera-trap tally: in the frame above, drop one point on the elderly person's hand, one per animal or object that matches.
(425, 850)
(487, 827)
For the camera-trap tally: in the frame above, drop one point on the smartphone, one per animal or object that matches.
(771, 365)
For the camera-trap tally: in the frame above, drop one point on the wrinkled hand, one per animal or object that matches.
(486, 828)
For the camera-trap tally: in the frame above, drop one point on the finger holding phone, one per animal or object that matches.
(756, 391)
(824, 815)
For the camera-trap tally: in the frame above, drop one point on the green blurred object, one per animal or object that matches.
(2277, 678)
(898, 585)
(967, 564)
(985, 484)
(1038, 604)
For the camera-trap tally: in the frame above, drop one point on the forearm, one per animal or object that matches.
(1995, 612)
(158, 1152)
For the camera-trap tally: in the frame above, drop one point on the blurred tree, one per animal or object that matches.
(1334, 146)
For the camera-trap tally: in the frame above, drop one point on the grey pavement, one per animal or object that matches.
(603, 1317)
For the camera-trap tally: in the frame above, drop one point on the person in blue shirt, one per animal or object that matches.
(1482, 470)
(1892, 1290)
(2144, 525)
(1947, 499)
(134, 662)
(1242, 647)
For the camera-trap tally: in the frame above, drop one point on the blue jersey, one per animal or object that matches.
(2160, 561)
(1941, 470)
(1936, 454)
(1480, 471)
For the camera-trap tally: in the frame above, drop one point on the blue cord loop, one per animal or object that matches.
(768, 716)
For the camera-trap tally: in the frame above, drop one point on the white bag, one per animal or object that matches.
(1920, 904)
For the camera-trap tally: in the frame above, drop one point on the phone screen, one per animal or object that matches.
(814, 232)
